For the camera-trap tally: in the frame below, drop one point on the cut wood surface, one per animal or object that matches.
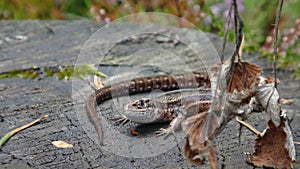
(58, 43)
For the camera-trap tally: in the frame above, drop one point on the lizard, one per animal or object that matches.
(172, 106)
(138, 85)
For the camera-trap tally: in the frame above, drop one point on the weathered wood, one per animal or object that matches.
(22, 100)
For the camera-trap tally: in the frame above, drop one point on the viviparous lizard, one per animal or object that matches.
(139, 85)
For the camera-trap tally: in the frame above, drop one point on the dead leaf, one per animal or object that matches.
(61, 144)
(287, 101)
(241, 76)
(195, 125)
(134, 132)
(196, 146)
(268, 96)
(274, 147)
(212, 157)
(98, 82)
(190, 154)
(197, 156)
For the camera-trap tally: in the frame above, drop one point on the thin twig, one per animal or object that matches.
(178, 8)
(11, 133)
(239, 37)
(179, 12)
(226, 27)
(254, 130)
(275, 46)
(235, 11)
(248, 126)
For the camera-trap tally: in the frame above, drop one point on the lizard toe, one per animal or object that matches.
(120, 119)
(167, 132)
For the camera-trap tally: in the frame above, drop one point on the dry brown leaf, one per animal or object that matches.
(242, 76)
(98, 82)
(61, 144)
(196, 156)
(287, 101)
(196, 146)
(273, 148)
(195, 125)
(190, 154)
(134, 132)
(212, 157)
(268, 96)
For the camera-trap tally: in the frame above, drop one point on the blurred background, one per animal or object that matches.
(209, 16)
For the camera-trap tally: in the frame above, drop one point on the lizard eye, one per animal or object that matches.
(142, 103)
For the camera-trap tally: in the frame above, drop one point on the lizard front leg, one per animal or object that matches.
(120, 119)
(173, 126)
(182, 113)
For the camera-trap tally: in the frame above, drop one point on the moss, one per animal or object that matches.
(65, 72)
(26, 74)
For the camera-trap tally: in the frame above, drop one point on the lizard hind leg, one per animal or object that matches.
(174, 125)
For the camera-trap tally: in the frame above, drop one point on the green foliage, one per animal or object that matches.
(45, 9)
(297, 73)
(259, 16)
(291, 60)
(84, 70)
(68, 72)
(26, 74)
(78, 8)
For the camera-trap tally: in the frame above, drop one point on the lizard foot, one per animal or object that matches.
(120, 119)
(167, 132)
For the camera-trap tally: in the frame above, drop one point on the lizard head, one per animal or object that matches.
(141, 111)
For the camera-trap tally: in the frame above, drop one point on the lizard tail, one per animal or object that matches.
(91, 111)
